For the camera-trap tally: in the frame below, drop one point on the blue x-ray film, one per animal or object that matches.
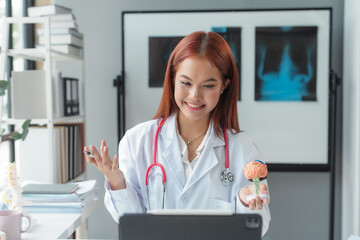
(286, 64)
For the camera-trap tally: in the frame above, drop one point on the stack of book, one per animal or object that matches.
(59, 198)
(65, 36)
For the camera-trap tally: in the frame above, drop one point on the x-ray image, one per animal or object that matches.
(232, 36)
(286, 63)
(160, 49)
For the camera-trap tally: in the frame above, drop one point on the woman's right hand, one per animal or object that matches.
(107, 166)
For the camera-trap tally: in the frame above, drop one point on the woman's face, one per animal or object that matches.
(198, 87)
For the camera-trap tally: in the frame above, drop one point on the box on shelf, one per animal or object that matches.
(28, 94)
(67, 162)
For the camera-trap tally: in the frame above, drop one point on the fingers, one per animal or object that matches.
(97, 157)
(100, 160)
(115, 164)
(252, 204)
(105, 154)
(259, 203)
(264, 189)
(89, 159)
(255, 203)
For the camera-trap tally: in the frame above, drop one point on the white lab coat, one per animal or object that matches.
(203, 190)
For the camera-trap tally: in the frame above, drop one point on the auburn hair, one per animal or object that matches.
(214, 48)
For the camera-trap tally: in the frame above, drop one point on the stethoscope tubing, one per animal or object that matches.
(155, 163)
(225, 173)
(226, 149)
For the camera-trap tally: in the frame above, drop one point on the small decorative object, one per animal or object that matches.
(10, 188)
(256, 171)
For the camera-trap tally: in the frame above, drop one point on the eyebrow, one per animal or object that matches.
(209, 80)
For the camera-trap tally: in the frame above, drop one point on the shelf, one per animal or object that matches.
(43, 121)
(38, 54)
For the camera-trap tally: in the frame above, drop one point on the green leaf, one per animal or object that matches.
(16, 136)
(2, 130)
(4, 85)
(26, 124)
(24, 133)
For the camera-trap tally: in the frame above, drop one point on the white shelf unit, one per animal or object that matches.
(49, 57)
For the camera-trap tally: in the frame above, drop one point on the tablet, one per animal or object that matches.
(184, 226)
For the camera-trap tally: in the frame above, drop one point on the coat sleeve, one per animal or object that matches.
(264, 212)
(127, 200)
(252, 154)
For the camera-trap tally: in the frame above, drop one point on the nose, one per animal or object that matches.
(195, 92)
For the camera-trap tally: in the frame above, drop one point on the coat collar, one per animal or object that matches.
(172, 155)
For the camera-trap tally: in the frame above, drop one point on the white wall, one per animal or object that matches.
(351, 120)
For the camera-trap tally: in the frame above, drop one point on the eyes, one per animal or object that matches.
(186, 83)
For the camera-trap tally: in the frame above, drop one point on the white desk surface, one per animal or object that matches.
(56, 225)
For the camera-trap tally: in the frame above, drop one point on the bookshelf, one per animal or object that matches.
(46, 168)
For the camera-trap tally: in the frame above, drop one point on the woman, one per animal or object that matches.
(199, 100)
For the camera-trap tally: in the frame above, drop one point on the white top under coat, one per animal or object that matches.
(189, 166)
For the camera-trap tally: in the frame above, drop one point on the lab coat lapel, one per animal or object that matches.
(207, 160)
(171, 154)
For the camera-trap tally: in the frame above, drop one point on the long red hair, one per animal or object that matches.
(215, 49)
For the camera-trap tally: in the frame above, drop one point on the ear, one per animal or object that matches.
(226, 84)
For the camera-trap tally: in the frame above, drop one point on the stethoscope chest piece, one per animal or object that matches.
(226, 177)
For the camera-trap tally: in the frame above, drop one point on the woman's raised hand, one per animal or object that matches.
(255, 203)
(108, 167)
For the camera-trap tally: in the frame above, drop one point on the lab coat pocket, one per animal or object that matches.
(221, 204)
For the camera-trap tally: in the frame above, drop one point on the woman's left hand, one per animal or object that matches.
(256, 203)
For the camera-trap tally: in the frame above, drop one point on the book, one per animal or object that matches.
(28, 89)
(63, 24)
(87, 189)
(65, 48)
(60, 31)
(46, 10)
(62, 17)
(39, 188)
(62, 39)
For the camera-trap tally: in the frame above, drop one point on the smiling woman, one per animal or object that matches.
(193, 146)
(215, 54)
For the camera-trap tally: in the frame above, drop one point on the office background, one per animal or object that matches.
(300, 201)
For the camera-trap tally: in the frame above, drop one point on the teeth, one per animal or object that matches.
(194, 106)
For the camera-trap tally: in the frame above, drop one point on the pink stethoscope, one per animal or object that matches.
(226, 175)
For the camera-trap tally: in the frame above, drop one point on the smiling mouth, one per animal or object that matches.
(194, 106)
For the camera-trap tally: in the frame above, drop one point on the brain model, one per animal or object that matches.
(255, 171)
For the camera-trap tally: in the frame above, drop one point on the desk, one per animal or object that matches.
(56, 225)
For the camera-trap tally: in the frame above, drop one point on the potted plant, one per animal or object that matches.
(9, 186)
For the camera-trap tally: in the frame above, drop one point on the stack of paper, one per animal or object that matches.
(65, 36)
(60, 198)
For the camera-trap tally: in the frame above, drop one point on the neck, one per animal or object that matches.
(192, 128)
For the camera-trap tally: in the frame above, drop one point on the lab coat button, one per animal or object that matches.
(185, 198)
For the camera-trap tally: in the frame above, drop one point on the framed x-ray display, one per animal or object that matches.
(283, 59)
